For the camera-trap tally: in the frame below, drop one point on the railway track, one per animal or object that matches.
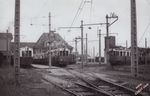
(106, 86)
(78, 88)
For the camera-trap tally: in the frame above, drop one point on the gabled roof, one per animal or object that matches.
(55, 39)
(5, 35)
(22, 44)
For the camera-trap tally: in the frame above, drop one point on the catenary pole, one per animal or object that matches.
(50, 57)
(107, 42)
(17, 41)
(134, 48)
(145, 51)
(82, 44)
(99, 46)
(86, 48)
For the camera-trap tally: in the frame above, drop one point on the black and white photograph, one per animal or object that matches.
(74, 47)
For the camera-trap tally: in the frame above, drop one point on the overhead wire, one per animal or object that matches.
(144, 32)
(146, 26)
(77, 13)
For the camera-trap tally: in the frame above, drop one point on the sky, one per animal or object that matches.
(63, 12)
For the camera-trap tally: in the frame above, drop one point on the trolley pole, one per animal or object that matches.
(134, 48)
(17, 41)
(50, 57)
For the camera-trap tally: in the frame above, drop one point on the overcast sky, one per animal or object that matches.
(63, 12)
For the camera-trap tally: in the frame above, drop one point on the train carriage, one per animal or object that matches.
(60, 57)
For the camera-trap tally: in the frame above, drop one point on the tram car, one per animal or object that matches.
(120, 57)
(60, 57)
(26, 57)
(123, 57)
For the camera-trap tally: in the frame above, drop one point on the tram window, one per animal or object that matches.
(23, 54)
(66, 53)
(120, 53)
(124, 53)
(29, 53)
(117, 53)
(128, 54)
(114, 53)
(61, 53)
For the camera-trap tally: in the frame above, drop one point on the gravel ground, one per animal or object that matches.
(31, 84)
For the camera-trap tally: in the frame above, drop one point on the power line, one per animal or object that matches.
(144, 33)
(77, 13)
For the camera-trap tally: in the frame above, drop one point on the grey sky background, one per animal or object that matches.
(63, 12)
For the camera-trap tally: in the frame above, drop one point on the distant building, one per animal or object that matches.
(56, 42)
(5, 40)
(112, 44)
(112, 41)
(4, 37)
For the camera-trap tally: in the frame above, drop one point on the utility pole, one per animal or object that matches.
(8, 52)
(134, 48)
(76, 44)
(17, 41)
(94, 53)
(99, 46)
(82, 43)
(145, 51)
(50, 57)
(112, 16)
(86, 48)
(126, 44)
(107, 42)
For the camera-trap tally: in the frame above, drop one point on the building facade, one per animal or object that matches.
(5, 40)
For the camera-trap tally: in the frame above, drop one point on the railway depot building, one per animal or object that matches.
(56, 42)
(37, 49)
(5, 40)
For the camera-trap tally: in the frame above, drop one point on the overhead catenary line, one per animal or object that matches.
(77, 13)
(144, 32)
(80, 8)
